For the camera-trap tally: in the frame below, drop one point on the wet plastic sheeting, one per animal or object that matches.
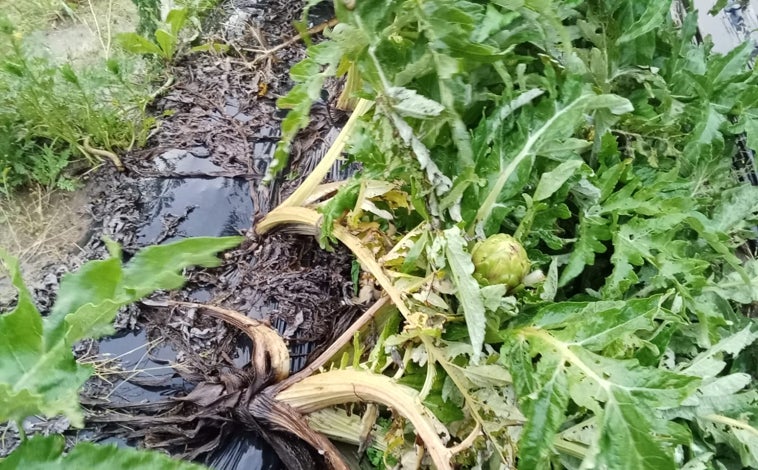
(243, 450)
(142, 364)
(206, 206)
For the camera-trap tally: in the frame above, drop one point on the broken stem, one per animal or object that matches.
(317, 175)
(338, 387)
(344, 339)
(269, 351)
(281, 416)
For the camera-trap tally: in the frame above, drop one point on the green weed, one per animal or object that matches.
(51, 115)
(29, 15)
(149, 16)
(165, 40)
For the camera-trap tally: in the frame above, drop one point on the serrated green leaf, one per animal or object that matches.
(733, 287)
(462, 275)
(559, 126)
(592, 232)
(92, 320)
(95, 283)
(409, 103)
(595, 325)
(626, 440)
(723, 386)
(737, 209)
(616, 390)
(546, 412)
(653, 17)
(160, 267)
(723, 70)
(710, 362)
(487, 375)
(655, 387)
(736, 433)
(35, 378)
(46, 453)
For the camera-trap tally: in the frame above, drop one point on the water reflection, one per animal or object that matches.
(208, 207)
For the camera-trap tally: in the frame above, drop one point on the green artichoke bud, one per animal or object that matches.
(500, 259)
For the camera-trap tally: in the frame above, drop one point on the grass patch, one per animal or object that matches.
(31, 15)
(60, 112)
(52, 115)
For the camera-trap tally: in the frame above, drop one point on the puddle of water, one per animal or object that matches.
(208, 206)
(193, 206)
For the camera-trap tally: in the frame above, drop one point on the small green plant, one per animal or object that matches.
(149, 12)
(165, 41)
(39, 375)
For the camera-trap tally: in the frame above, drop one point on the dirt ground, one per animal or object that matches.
(41, 228)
